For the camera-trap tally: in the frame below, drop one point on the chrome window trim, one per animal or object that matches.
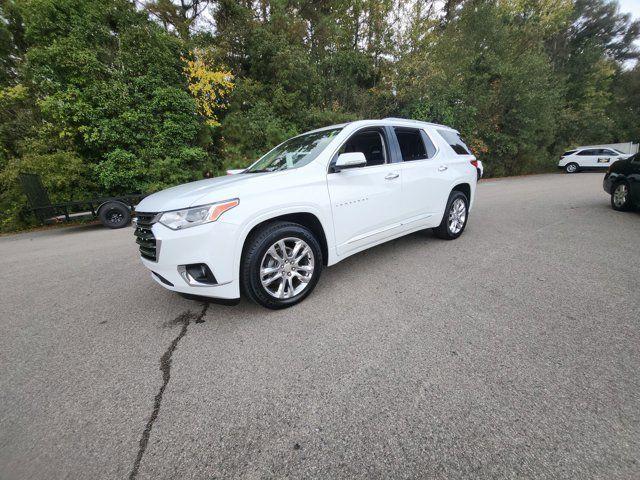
(435, 144)
(385, 144)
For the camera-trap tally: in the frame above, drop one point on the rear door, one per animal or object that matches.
(425, 179)
(602, 159)
(365, 201)
(607, 157)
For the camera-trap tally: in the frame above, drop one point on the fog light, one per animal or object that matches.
(197, 275)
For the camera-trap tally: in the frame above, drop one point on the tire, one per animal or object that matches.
(114, 215)
(283, 286)
(571, 167)
(450, 230)
(621, 197)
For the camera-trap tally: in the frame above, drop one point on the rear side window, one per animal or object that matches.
(570, 152)
(414, 145)
(586, 153)
(454, 140)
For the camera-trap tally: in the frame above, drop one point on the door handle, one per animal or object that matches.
(391, 176)
(442, 168)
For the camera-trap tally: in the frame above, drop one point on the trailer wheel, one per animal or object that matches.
(114, 215)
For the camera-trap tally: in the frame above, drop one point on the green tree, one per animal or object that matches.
(107, 86)
(626, 106)
(589, 54)
(146, 94)
(493, 81)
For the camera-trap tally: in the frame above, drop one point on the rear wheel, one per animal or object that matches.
(455, 217)
(571, 167)
(620, 197)
(115, 215)
(281, 265)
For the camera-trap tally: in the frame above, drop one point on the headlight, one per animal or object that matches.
(190, 217)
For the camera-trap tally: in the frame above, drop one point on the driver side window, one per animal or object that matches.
(371, 143)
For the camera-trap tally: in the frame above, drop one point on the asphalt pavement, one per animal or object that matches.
(512, 352)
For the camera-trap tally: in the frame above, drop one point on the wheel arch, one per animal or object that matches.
(463, 187)
(620, 179)
(304, 218)
(107, 202)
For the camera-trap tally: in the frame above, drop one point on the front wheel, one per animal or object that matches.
(571, 167)
(281, 265)
(455, 217)
(620, 198)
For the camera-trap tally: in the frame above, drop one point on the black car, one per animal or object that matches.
(622, 182)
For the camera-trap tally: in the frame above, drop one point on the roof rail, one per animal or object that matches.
(398, 119)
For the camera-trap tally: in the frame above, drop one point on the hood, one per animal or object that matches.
(197, 193)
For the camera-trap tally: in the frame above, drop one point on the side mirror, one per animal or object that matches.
(350, 160)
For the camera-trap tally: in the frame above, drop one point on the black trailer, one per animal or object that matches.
(113, 212)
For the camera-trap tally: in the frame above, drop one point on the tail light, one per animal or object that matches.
(474, 163)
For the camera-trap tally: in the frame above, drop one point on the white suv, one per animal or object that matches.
(310, 202)
(589, 159)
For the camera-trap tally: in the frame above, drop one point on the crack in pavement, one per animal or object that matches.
(165, 367)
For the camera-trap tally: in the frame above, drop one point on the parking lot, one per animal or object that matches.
(511, 352)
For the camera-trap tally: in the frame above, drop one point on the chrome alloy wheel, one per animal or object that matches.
(457, 216)
(571, 168)
(287, 267)
(620, 195)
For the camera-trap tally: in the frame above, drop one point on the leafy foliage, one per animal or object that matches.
(209, 87)
(493, 81)
(119, 96)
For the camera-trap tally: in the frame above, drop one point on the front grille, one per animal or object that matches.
(144, 236)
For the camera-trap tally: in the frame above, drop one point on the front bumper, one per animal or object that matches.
(212, 243)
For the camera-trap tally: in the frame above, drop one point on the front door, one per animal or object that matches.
(588, 158)
(365, 201)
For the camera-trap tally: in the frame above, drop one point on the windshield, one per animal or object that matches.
(295, 152)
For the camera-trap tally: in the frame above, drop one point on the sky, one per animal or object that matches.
(631, 6)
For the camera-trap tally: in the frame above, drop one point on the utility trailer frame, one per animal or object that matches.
(113, 212)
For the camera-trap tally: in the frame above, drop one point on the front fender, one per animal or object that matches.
(274, 213)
